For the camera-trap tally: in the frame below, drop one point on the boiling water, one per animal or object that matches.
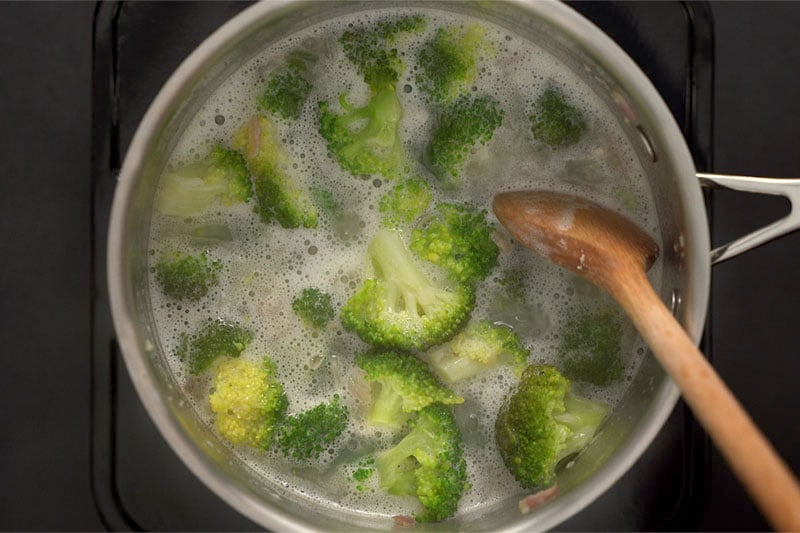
(266, 266)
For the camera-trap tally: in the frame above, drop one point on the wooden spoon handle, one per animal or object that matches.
(752, 458)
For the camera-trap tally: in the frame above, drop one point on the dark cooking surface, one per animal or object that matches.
(49, 330)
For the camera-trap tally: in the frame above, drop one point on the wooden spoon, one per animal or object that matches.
(612, 252)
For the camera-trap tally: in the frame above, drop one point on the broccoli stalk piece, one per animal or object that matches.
(460, 240)
(279, 195)
(248, 401)
(427, 463)
(288, 86)
(400, 307)
(216, 339)
(314, 307)
(555, 122)
(447, 61)
(542, 422)
(366, 140)
(189, 191)
(402, 384)
(479, 347)
(405, 202)
(461, 125)
(590, 348)
(187, 277)
(308, 434)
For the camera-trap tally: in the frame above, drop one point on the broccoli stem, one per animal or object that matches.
(452, 368)
(387, 406)
(583, 417)
(396, 466)
(395, 264)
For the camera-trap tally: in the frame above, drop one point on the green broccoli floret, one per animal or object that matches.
(400, 307)
(447, 62)
(371, 49)
(314, 307)
(477, 348)
(460, 126)
(554, 121)
(366, 140)
(326, 202)
(543, 422)
(308, 434)
(187, 277)
(428, 463)
(280, 197)
(214, 340)
(458, 239)
(402, 384)
(288, 86)
(405, 202)
(189, 191)
(248, 400)
(345, 223)
(364, 470)
(590, 348)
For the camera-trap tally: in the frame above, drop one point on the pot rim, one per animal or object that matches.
(577, 28)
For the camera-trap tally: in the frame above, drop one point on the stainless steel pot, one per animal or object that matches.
(686, 255)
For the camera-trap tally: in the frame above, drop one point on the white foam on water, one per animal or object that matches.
(266, 266)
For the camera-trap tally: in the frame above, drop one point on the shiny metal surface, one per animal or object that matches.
(581, 46)
(788, 188)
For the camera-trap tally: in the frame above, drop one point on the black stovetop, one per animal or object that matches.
(84, 454)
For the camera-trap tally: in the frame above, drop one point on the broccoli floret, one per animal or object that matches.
(461, 125)
(554, 121)
(364, 470)
(280, 197)
(216, 339)
(308, 434)
(447, 62)
(187, 277)
(401, 307)
(402, 384)
(590, 348)
(366, 140)
(248, 400)
(428, 463)
(458, 239)
(345, 223)
(326, 202)
(314, 307)
(405, 202)
(288, 86)
(189, 191)
(542, 422)
(371, 49)
(479, 347)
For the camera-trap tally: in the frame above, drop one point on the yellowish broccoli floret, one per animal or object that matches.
(248, 400)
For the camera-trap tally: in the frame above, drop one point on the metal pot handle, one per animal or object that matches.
(788, 188)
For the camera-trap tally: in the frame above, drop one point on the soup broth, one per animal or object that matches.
(266, 266)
